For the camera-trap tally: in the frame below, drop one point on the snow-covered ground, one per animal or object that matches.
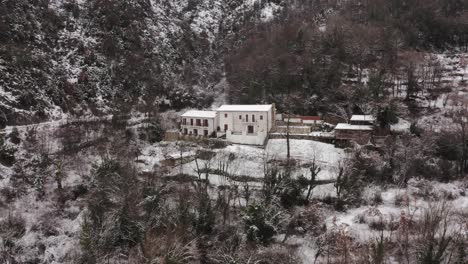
(418, 196)
(58, 230)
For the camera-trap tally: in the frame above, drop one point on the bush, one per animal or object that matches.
(12, 228)
(3, 120)
(387, 117)
(153, 132)
(291, 195)
(7, 153)
(259, 222)
(15, 136)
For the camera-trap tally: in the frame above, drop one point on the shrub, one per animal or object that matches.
(7, 153)
(259, 222)
(3, 119)
(15, 136)
(387, 116)
(292, 192)
(12, 228)
(153, 132)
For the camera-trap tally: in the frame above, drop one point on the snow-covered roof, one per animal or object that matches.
(344, 126)
(246, 108)
(178, 155)
(362, 118)
(201, 114)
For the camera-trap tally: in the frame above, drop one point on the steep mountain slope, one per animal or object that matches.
(89, 57)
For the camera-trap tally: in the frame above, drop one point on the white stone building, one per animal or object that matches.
(199, 123)
(246, 124)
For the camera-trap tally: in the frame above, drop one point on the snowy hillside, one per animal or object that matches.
(81, 58)
(93, 169)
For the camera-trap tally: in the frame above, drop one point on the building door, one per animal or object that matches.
(195, 132)
(205, 133)
(185, 131)
(250, 129)
(225, 127)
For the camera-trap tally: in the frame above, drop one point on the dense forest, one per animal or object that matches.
(294, 56)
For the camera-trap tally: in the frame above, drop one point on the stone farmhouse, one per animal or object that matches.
(254, 124)
(243, 124)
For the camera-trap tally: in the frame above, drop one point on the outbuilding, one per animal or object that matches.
(345, 133)
(368, 120)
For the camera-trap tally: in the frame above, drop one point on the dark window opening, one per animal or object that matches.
(198, 122)
(185, 131)
(191, 122)
(250, 129)
(253, 118)
(195, 132)
(225, 115)
(225, 127)
(246, 118)
(205, 133)
(261, 117)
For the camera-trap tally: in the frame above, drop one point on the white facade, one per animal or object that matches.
(199, 123)
(246, 124)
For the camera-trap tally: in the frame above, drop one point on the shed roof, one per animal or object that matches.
(199, 113)
(246, 108)
(362, 118)
(344, 126)
(311, 118)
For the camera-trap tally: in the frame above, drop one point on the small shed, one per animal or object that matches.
(345, 133)
(367, 120)
(178, 158)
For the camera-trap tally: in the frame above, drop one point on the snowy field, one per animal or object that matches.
(249, 163)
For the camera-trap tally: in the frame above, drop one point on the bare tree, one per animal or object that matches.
(314, 169)
(437, 235)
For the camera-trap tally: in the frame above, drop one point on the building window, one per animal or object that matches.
(184, 121)
(205, 122)
(261, 117)
(253, 118)
(205, 133)
(240, 117)
(225, 115)
(185, 131)
(246, 118)
(195, 132)
(250, 129)
(191, 121)
(225, 127)
(198, 122)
